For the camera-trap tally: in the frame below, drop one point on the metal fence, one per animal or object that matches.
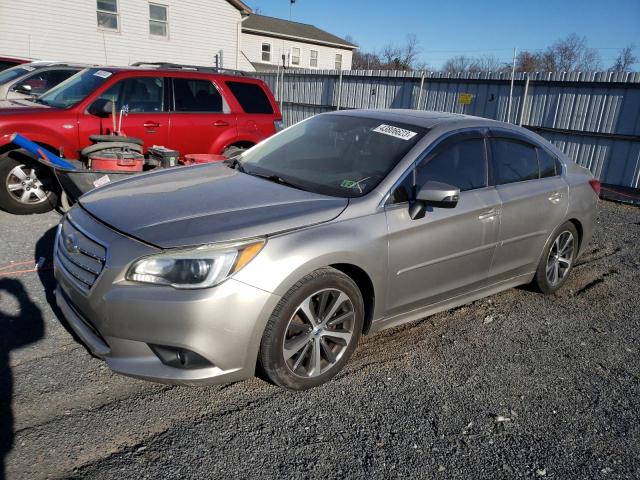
(593, 117)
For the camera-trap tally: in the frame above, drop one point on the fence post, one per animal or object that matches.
(339, 91)
(524, 99)
(513, 72)
(420, 94)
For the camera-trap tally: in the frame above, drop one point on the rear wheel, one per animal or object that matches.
(557, 259)
(233, 151)
(313, 331)
(26, 186)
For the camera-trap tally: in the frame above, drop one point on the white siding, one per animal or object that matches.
(67, 30)
(252, 49)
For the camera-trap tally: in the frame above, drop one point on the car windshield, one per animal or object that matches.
(75, 88)
(14, 72)
(337, 155)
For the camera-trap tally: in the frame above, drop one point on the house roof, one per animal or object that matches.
(243, 7)
(276, 27)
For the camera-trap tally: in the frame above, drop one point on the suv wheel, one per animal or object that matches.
(26, 186)
(557, 259)
(233, 151)
(313, 331)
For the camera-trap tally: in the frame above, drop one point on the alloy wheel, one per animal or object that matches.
(318, 333)
(560, 258)
(23, 184)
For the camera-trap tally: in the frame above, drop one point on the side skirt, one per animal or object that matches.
(450, 303)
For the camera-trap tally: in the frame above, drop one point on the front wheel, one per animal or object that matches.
(26, 186)
(557, 259)
(313, 331)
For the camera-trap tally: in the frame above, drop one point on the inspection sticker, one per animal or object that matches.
(102, 74)
(395, 132)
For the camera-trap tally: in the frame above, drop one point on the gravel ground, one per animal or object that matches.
(516, 385)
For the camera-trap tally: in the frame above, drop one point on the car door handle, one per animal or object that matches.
(220, 123)
(489, 215)
(151, 124)
(555, 198)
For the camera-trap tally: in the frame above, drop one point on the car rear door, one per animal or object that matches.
(145, 113)
(201, 119)
(448, 251)
(532, 207)
(257, 120)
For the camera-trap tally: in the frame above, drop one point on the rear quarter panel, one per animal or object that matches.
(583, 201)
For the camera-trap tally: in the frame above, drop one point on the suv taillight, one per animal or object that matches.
(595, 184)
(278, 124)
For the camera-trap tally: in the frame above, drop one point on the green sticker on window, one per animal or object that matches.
(348, 184)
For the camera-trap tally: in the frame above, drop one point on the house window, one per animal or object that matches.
(338, 61)
(313, 59)
(158, 20)
(107, 14)
(295, 56)
(266, 52)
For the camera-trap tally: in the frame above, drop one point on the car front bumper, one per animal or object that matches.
(119, 321)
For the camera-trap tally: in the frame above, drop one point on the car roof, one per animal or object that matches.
(221, 73)
(423, 118)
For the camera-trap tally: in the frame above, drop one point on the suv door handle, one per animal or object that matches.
(220, 123)
(555, 198)
(149, 124)
(489, 215)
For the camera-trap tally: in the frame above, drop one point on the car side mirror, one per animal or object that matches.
(101, 107)
(434, 194)
(23, 88)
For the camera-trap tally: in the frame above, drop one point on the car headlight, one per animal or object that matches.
(200, 267)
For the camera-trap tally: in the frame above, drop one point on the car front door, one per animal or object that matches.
(448, 251)
(532, 207)
(144, 114)
(201, 121)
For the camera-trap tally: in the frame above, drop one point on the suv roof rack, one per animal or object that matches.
(197, 68)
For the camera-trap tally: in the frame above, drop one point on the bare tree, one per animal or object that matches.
(459, 63)
(570, 54)
(625, 59)
(391, 57)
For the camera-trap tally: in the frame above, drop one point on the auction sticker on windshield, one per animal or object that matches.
(396, 132)
(102, 74)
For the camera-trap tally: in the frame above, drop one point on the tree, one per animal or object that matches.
(391, 57)
(459, 63)
(625, 59)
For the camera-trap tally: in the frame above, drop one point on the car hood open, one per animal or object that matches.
(188, 206)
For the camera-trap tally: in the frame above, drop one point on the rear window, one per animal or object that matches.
(513, 161)
(251, 97)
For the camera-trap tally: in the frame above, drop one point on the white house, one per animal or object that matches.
(121, 32)
(265, 40)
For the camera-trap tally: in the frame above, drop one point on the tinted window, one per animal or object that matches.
(14, 72)
(139, 94)
(196, 96)
(4, 64)
(461, 164)
(547, 164)
(42, 81)
(513, 161)
(337, 155)
(251, 97)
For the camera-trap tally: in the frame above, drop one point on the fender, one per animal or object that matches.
(38, 134)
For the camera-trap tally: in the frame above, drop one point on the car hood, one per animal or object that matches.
(21, 105)
(187, 206)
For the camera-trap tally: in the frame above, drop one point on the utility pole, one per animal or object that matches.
(513, 71)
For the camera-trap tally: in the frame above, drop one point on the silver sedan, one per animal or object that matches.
(277, 261)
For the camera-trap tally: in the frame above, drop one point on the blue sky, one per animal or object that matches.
(473, 27)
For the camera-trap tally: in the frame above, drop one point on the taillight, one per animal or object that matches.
(595, 184)
(278, 124)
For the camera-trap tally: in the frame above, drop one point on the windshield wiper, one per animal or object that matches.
(276, 179)
(234, 162)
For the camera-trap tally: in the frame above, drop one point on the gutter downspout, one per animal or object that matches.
(243, 17)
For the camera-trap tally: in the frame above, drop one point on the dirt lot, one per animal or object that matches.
(517, 385)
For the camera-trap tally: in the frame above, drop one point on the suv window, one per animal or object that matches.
(251, 97)
(192, 95)
(462, 164)
(548, 164)
(42, 81)
(513, 161)
(140, 94)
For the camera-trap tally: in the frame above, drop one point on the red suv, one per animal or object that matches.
(192, 110)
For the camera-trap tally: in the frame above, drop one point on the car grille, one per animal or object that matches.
(80, 257)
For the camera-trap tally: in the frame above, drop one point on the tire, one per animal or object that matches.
(557, 259)
(115, 138)
(98, 147)
(24, 174)
(233, 151)
(324, 289)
